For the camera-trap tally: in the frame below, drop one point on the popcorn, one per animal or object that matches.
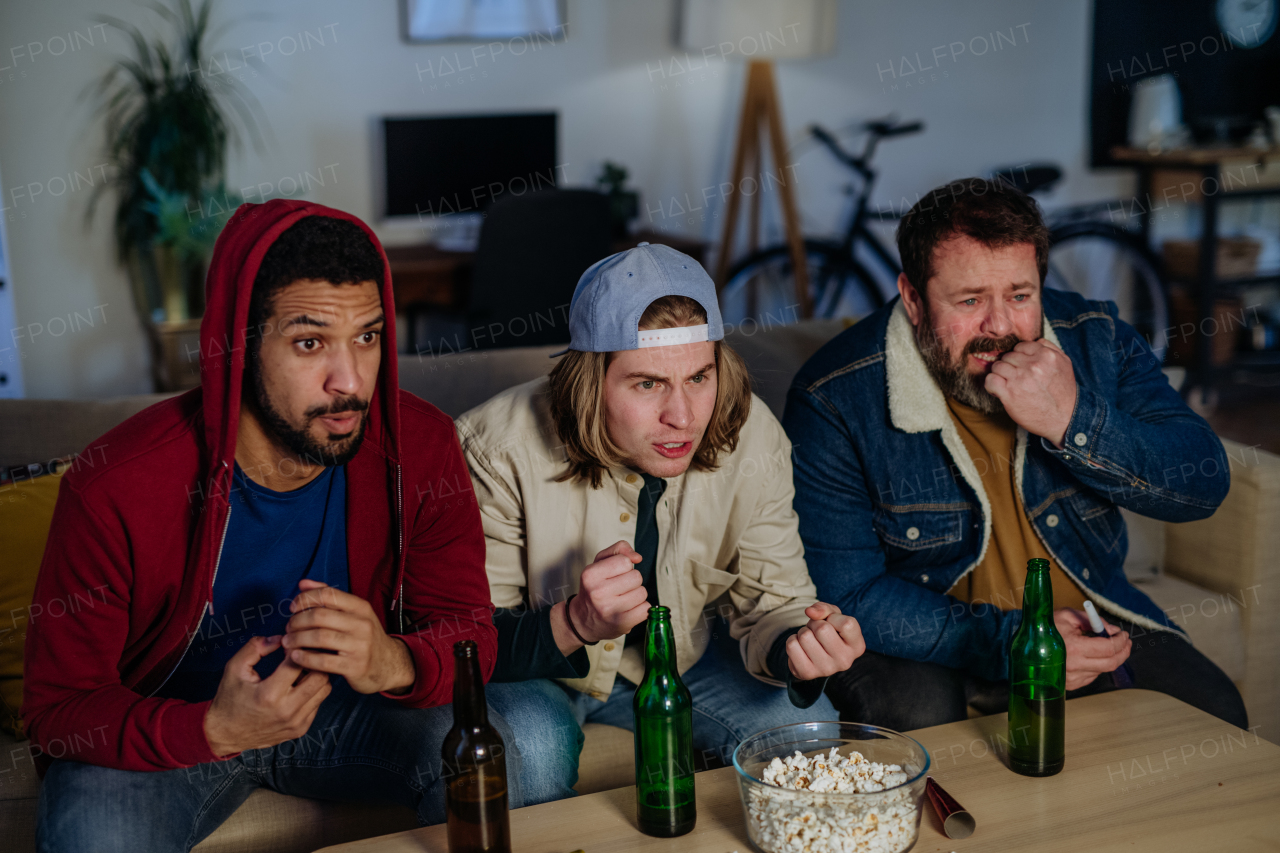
(808, 822)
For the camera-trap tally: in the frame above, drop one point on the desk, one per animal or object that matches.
(425, 278)
(1144, 772)
(1214, 188)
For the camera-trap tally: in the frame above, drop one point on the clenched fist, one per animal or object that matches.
(611, 600)
(1037, 386)
(830, 643)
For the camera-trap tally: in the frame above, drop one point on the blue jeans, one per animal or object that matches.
(729, 705)
(360, 748)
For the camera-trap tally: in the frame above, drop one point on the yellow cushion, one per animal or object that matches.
(26, 509)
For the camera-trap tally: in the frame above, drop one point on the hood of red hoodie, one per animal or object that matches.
(224, 331)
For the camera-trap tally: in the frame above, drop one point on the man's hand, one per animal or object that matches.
(335, 621)
(830, 643)
(251, 712)
(1089, 656)
(611, 600)
(1037, 386)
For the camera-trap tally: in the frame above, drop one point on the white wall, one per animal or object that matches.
(612, 81)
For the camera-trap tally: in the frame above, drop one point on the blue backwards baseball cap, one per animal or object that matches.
(612, 295)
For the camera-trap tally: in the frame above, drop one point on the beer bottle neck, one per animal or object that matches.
(1037, 596)
(659, 647)
(469, 707)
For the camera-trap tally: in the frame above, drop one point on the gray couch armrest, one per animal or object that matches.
(1234, 553)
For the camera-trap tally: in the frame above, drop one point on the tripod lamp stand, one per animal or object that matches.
(763, 31)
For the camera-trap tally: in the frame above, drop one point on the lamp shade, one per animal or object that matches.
(758, 29)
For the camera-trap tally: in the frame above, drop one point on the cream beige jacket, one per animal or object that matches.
(728, 540)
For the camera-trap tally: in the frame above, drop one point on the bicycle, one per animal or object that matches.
(1088, 254)
(765, 276)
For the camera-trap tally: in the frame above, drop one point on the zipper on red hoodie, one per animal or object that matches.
(208, 606)
(400, 538)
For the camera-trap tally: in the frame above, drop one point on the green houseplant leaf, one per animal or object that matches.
(168, 124)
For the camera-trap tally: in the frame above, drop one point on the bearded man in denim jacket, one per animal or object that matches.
(975, 422)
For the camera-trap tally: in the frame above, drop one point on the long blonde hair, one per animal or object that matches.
(577, 400)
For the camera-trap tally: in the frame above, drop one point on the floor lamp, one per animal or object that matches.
(763, 31)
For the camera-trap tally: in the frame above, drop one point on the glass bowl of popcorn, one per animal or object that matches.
(831, 788)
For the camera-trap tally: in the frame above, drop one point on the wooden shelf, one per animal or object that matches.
(1192, 156)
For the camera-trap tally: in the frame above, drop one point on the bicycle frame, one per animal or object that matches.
(857, 229)
(837, 259)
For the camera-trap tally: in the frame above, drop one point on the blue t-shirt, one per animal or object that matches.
(274, 540)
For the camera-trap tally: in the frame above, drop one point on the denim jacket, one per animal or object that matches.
(892, 509)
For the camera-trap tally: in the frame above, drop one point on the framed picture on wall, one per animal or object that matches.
(425, 21)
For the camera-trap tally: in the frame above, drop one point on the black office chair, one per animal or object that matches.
(532, 250)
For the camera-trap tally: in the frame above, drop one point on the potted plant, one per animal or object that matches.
(183, 242)
(623, 204)
(169, 116)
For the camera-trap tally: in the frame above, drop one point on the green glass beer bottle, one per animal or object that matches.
(664, 737)
(1037, 681)
(475, 765)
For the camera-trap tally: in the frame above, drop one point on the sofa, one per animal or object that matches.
(1216, 577)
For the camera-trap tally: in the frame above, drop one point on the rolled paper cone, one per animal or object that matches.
(956, 822)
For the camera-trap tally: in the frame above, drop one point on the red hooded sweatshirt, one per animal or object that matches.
(138, 528)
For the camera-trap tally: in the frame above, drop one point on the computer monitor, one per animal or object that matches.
(441, 165)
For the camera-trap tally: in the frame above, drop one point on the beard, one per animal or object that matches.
(952, 375)
(337, 450)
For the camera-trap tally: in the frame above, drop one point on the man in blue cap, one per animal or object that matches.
(642, 471)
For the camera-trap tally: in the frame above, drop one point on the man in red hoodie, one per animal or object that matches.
(283, 558)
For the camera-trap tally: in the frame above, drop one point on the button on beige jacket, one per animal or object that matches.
(728, 540)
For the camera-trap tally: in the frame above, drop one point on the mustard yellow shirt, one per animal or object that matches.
(1001, 575)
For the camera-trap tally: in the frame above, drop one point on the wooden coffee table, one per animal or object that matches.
(1144, 772)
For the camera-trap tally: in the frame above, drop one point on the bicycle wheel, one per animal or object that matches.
(761, 287)
(1105, 262)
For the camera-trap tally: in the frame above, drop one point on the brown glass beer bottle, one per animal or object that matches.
(475, 766)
